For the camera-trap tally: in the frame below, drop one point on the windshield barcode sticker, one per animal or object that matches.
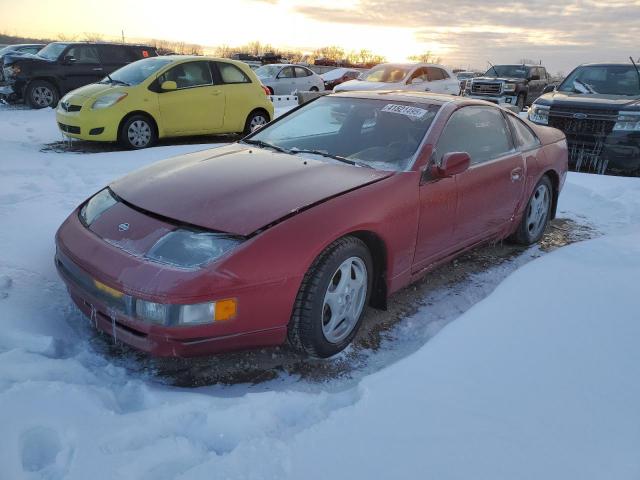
(414, 112)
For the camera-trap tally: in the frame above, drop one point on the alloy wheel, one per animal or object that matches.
(256, 122)
(42, 96)
(538, 210)
(344, 299)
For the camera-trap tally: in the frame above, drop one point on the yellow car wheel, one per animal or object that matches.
(256, 119)
(137, 132)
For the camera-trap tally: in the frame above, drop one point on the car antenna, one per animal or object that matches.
(492, 67)
(636, 67)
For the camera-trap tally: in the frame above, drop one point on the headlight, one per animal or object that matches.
(539, 114)
(11, 71)
(96, 206)
(191, 249)
(628, 122)
(108, 100)
(185, 315)
(509, 87)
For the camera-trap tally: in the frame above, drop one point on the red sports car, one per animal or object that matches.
(290, 233)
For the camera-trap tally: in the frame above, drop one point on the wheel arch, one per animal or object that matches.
(555, 185)
(378, 250)
(139, 112)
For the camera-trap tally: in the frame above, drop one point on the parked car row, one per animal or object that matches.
(284, 79)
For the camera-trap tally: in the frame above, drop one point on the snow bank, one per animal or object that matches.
(539, 380)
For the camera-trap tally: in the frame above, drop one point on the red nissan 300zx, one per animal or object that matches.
(289, 234)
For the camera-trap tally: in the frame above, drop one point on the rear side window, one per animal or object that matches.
(229, 73)
(188, 75)
(302, 72)
(525, 138)
(115, 54)
(84, 54)
(480, 131)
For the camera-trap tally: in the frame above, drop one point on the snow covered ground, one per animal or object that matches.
(537, 380)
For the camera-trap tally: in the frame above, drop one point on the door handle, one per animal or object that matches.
(98, 69)
(516, 174)
(215, 92)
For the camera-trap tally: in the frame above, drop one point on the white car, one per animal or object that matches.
(284, 79)
(405, 76)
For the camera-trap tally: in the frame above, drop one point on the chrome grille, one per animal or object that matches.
(486, 88)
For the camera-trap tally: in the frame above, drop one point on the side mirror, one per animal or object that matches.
(534, 77)
(168, 86)
(548, 88)
(69, 59)
(453, 163)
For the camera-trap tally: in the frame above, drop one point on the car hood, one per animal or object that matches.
(589, 100)
(14, 57)
(238, 189)
(95, 90)
(355, 85)
(500, 79)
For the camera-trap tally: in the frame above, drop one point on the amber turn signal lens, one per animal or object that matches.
(226, 309)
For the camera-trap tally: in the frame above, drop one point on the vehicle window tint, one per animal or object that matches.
(434, 74)
(480, 131)
(525, 138)
(302, 72)
(188, 75)
(232, 74)
(114, 54)
(444, 73)
(84, 54)
(286, 73)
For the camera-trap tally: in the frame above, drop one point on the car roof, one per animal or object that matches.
(406, 96)
(611, 64)
(117, 44)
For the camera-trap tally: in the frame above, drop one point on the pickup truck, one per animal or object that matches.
(517, 85)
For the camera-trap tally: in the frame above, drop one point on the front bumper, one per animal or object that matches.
(6, 90)
(84, 261)
(498, 99)
(87, 124)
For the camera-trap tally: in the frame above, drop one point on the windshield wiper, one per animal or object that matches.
(636, 67)
(328, 155)
(263, 144)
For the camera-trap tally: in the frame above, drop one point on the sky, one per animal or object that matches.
(464, 33)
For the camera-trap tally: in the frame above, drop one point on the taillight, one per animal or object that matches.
(266, 90)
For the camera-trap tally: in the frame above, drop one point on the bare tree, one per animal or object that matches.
(426, 57)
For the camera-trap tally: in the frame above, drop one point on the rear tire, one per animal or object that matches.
(41, 94)
(314, 89)
(537, 214)
(332, 298)
(137, 132)
(256, 119)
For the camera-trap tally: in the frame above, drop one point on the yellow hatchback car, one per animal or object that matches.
(166, 97)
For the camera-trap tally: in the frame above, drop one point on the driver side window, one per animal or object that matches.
(420, 73)
(84, 54)
(480, 131)
(188, 75)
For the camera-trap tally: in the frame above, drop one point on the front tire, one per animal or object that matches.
(332, 298)
(41, 94)
(537, 214)
(137, 132)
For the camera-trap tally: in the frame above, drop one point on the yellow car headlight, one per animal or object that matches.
(108, 100)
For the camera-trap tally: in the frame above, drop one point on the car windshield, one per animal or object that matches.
(137, 72)
(377, 133)
(52, 51)
(386, 73)
(268, 71)
(603, 79)
(513, 71)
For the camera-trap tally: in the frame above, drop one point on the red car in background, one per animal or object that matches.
(339, 75)
(290, 233)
